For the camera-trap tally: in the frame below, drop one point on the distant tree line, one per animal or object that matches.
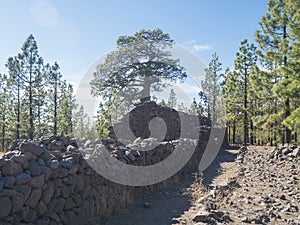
(262, 91)
(34, 98)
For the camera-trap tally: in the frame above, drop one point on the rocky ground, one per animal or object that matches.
(253, 185)
(261, 186)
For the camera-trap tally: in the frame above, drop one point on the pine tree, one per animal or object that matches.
(103, 120)
(293, 81)
(40, 100)
(172, 102)
(32, 65)
(5, 107)
(163, 103)
(274, 41)
(66, 108)
(15, 86)
(37, 101)
(211, 86)
(243, 64)
(195, 108)
(234, 102)
(82, 124)
(26, 75)
(182, 108)
(141, 63)
(54, 81)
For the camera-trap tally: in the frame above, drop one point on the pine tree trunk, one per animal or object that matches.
(259, 136)
(55, 107)
(146, 91)
(245, 110)
(252, 132)
(39, 123)
(228, 131)
(275, 135)
(3, 132)
(233, 131)
(287, 114)
(18, 112)
(283, 135)
(31, 129)
(287, 102)
(30, 114)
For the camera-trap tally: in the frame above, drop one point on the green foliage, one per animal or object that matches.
(264, 98)
(172, 102)
(243, 64)
(195, 108)
(163, 103)
(82, 124)
(140, 63)
(275, 41)
(211, 87)
(182, 108)
(66, 108)
(35, 100)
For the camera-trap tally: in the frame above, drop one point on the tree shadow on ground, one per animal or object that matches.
(224, 155)
(166, 204)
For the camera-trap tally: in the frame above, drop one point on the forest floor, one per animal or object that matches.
(242, 186)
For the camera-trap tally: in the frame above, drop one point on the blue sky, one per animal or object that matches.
(77, 33)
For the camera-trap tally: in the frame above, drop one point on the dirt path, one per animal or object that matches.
(158, 208)
(167, 205)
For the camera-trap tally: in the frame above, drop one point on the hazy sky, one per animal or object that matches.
(77, 33)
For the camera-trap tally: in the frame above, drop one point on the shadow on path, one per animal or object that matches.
(168, 203)
(227, 154)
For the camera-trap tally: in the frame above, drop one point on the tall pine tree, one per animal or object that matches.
(243, 64)
(211, 86)
(275, 50)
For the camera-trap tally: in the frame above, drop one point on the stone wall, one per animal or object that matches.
(48, 181)
(138, 120)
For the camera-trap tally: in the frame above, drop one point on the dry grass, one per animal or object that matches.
(227, 172)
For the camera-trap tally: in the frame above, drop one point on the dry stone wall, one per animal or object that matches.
(48, 181)
(138, 120)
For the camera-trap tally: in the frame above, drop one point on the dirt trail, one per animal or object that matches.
(157, 208)
(167, 205)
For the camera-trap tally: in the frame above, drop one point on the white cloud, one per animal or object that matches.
(199, 48)
(189, 42)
